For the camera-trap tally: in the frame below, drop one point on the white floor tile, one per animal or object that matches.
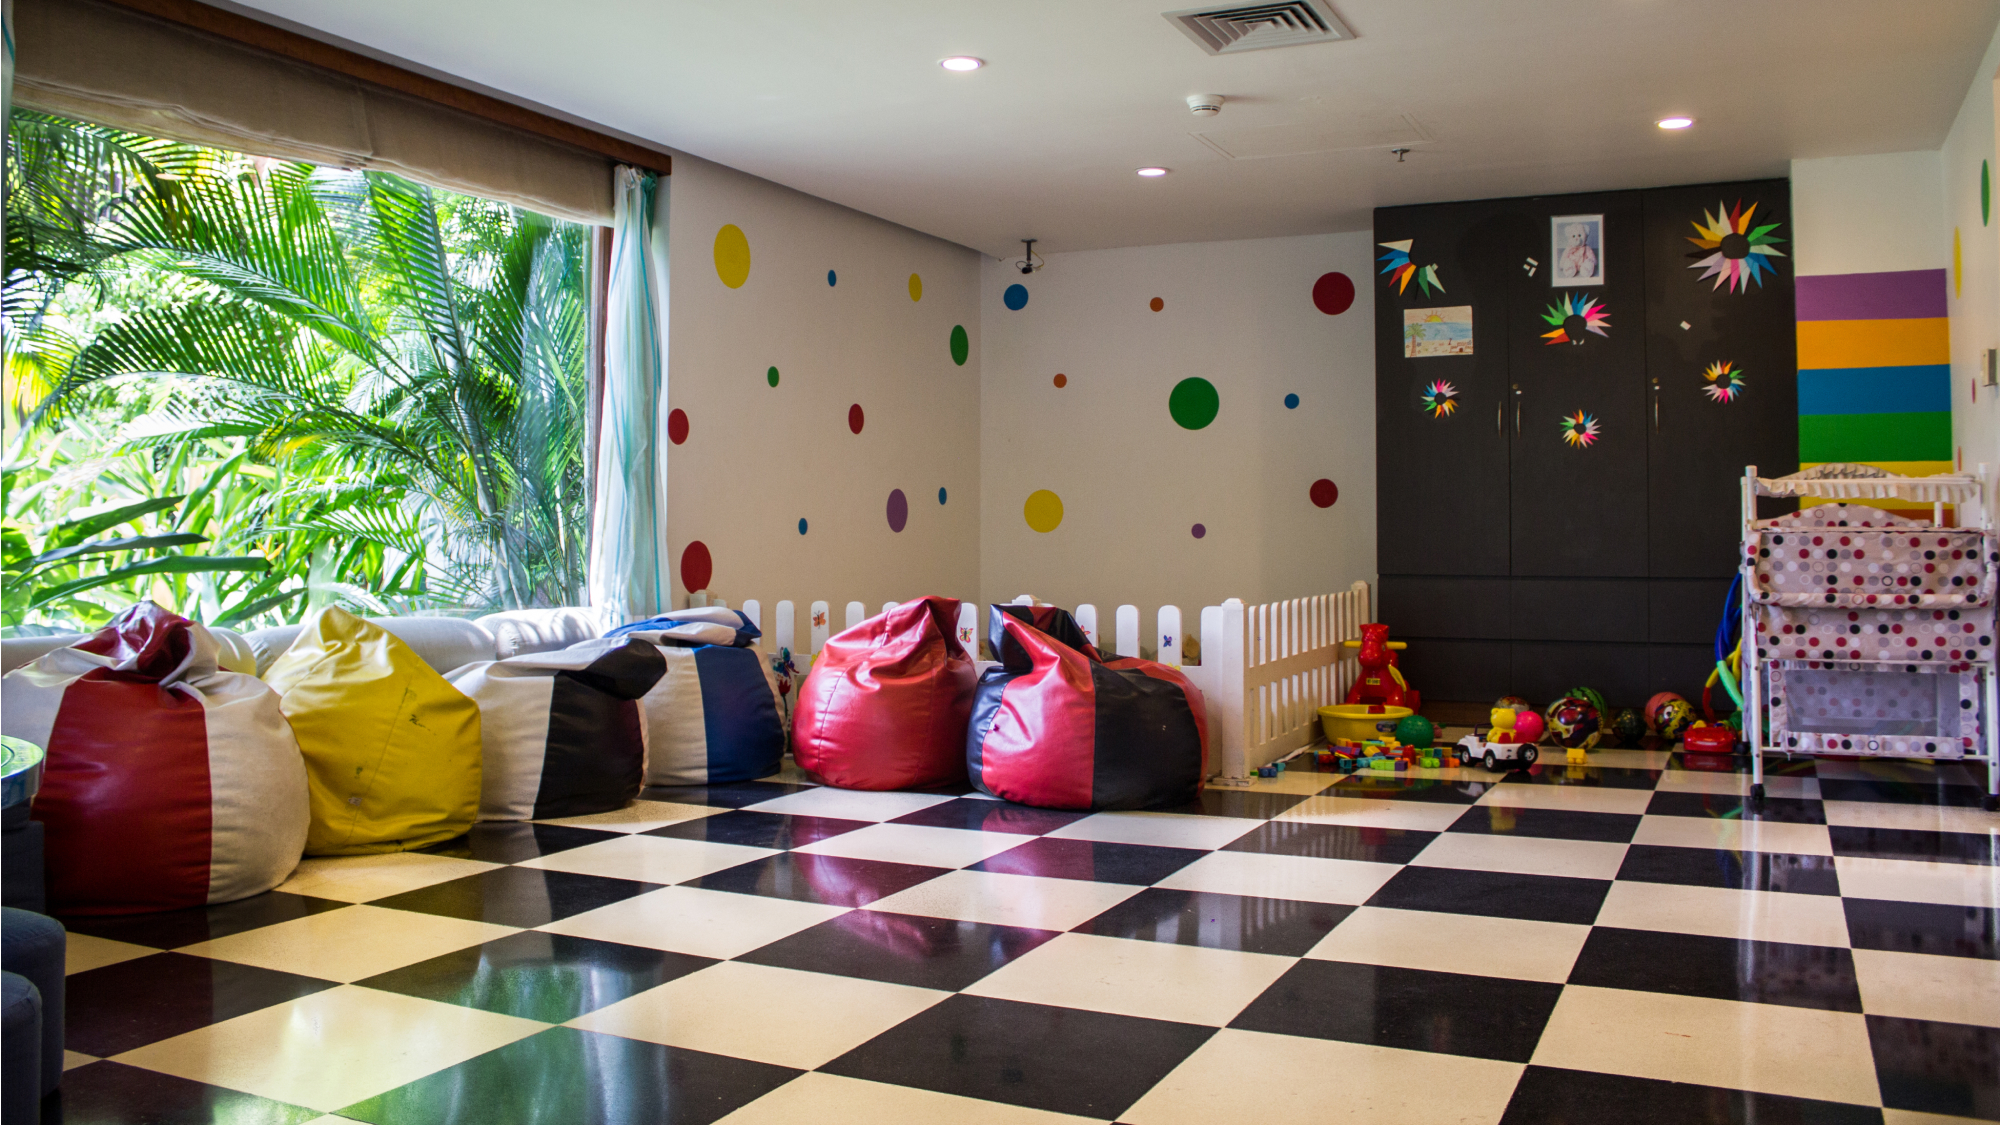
(1455, 943)
(73, 1059)
(333, 1048)
(1903, 880)
(1738, 784)
(364, 878)
(1375, 812)
(639, 816)
(1722, 912)
(1770, 1048)
(918, 844)
(1150, 979)
(1733, 835)
(83, 952)
(692, 920)
(1253, 1077)
(350, 943)
(828, 1099)
(649, 859)
(1166, 830)
(779, 1016)
(1008, 900)
(1529, 855)
(1905, 771)
(1569, 798)
(848, 804)
(1921, 818)
(1919, 986)
(1301, 878)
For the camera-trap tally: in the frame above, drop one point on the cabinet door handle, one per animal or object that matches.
(1656, 406)
(1517, 408)
(1500, 413)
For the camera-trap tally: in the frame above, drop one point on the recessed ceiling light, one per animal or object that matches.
(1674, 122)
(961, 62)
(1152, 172)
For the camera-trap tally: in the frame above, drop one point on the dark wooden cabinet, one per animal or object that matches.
(1515, 560)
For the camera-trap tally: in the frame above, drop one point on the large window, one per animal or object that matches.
(243, 388)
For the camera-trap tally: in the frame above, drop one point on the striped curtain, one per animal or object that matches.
(628, 578)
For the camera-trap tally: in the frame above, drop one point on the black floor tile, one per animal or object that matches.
(1923, 927)
(1429, 789)
(120, 1007)
(1551, 1096)
(1064, 1060)
(825, 879)
(516, 896)
(1248, 803)
(512, 841)
(979, 815)
(759, 829)
(109, 1093)
(1948, 794)
(731, 796)
(1913, 844)
(1552, 824)
(1389, 1006)
(1740, 871)
(1493, 894)
(171, 929)
(538, 976)
(1217, 921)
(1758, 972)
(1090, 860)
(564, 1076)
(941, 953)
(1732, 806)
(1551, 770)
(1948, 1068)
(1333, 841)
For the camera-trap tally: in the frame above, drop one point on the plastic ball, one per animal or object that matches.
(1513, 703)
(1575, 722)
(1529, 726)
(1668, 715)
(1415, 730)
(1628, 727)
(1595, 699)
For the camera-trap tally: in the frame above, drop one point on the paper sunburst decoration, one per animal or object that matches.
(1440, 399)
(1579, 429)
(1397, 264)
(1574, 315)
(1737, 251)
(1725, 382)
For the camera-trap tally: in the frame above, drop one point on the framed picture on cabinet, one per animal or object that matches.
(1576, 249)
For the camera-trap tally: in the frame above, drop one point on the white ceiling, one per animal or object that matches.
(844, 99)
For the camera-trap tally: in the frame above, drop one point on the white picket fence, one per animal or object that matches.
(1265, 669)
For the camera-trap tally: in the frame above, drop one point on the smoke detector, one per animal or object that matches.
(1204, 105)
(1257, 27)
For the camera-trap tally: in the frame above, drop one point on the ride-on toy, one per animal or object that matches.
(1381, 682)
(1511, 741)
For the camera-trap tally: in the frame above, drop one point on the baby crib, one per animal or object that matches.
(1869, 633)
(1265, 670)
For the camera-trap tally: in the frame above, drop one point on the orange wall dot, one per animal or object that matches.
(1062, 381)
(1156, 304)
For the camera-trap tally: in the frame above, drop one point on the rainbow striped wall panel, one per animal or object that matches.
(1875, 371)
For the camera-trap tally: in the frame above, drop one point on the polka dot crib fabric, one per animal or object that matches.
(1896, 710)
(1822, 558)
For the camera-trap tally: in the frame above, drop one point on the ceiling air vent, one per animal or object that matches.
(1255, 27)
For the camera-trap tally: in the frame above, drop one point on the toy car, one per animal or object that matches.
(1518, 755)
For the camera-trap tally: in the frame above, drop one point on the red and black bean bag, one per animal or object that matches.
(1057, 726)
(886, 702)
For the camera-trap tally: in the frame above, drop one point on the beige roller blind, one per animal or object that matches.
(104, 63)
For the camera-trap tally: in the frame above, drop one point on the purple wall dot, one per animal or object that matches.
(1199, 531)
(899, 510)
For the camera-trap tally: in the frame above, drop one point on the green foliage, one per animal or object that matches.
(340, 387)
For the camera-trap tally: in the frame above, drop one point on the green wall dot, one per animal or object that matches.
(1985, 192)
(961, 346)
(771, 376)
(1193, 403)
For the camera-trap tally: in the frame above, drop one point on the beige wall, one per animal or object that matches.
(1133, 482)
(1975, 291)
(759, 458)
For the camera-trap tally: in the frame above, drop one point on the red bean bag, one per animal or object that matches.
(170, 783)
(1057, 726)
(886, 702)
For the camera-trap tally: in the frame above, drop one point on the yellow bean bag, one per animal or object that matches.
(392, 750)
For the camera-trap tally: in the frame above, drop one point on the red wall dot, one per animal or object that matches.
(696, 567)
(1062, 381)
(1333, 293)
(855, 418)
(1325, 492)
(677, 432)
(1156, 304)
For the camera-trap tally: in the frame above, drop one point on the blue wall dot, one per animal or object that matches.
(1291, 402)
(940, 495)
(802, 526)
(830, 279)
(1016, 297)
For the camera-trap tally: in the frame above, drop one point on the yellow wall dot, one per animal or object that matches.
(732, 256)
(1043, 511)
(1957, 266)
(916, 288)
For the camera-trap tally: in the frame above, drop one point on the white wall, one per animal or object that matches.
(1975, 289)
(759, 458)
(1870, 214)
(1132, 481)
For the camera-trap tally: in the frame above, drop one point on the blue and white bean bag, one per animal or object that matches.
(715, 716)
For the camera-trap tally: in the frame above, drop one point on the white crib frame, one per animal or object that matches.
(1969, 492)
(1265, 670)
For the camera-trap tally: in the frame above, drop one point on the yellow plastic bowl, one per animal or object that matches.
(1358, 721)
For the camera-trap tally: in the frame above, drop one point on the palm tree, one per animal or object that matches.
(412, 359)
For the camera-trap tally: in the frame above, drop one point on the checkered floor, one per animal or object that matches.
(1619, 943)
